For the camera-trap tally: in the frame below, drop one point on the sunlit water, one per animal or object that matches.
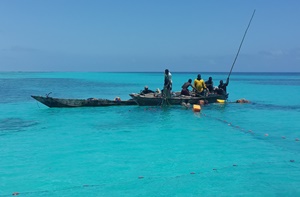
(225, 150)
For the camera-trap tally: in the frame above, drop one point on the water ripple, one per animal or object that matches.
(9, 125)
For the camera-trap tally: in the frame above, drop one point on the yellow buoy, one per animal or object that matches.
(196, 108)
(220, 101)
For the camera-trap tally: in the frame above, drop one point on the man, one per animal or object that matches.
(146, 90)
(199, 85)
(167, 83)
(210, 84)
(222, 87)
(185, 86)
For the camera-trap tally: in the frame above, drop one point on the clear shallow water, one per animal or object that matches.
(226, 150)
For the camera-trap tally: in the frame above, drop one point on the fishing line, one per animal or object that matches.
(222, 169)
(241, 44)
(238, 127)
(164, 102)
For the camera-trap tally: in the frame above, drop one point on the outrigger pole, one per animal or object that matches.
(241, 44)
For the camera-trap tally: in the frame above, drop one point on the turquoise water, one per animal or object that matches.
(226, 150)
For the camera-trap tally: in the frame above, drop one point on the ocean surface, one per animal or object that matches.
(225, 150)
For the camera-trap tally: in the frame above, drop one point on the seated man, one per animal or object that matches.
(146, 90)
(185, 86)
(210, 84)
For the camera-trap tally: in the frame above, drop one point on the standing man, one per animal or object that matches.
(199, 85)
(167, 84)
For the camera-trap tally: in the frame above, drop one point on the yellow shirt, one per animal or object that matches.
(199, 85)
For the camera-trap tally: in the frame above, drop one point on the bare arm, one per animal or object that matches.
(227, 81)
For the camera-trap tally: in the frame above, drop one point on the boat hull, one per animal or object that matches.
(150, 100)
(59, 102)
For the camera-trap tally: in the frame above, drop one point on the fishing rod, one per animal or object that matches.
(241, 44)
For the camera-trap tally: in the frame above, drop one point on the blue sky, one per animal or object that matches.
(140, 35)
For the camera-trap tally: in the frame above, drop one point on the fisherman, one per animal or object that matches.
(185, 86)
(210, 85)
(200, 86)
(167, 84)
(222, 87)
(146, 90)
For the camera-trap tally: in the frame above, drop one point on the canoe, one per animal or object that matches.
(91, 102)
(177, 99)
(151, 99)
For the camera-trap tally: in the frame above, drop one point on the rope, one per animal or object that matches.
(164, 100)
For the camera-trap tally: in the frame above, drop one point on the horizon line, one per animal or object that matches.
(146, 72)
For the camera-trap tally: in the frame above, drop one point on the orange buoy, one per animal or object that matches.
(201, 102)
(196, 108)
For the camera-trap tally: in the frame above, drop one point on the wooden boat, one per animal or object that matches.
(91, 102)
(151, 99)
(177, 99)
